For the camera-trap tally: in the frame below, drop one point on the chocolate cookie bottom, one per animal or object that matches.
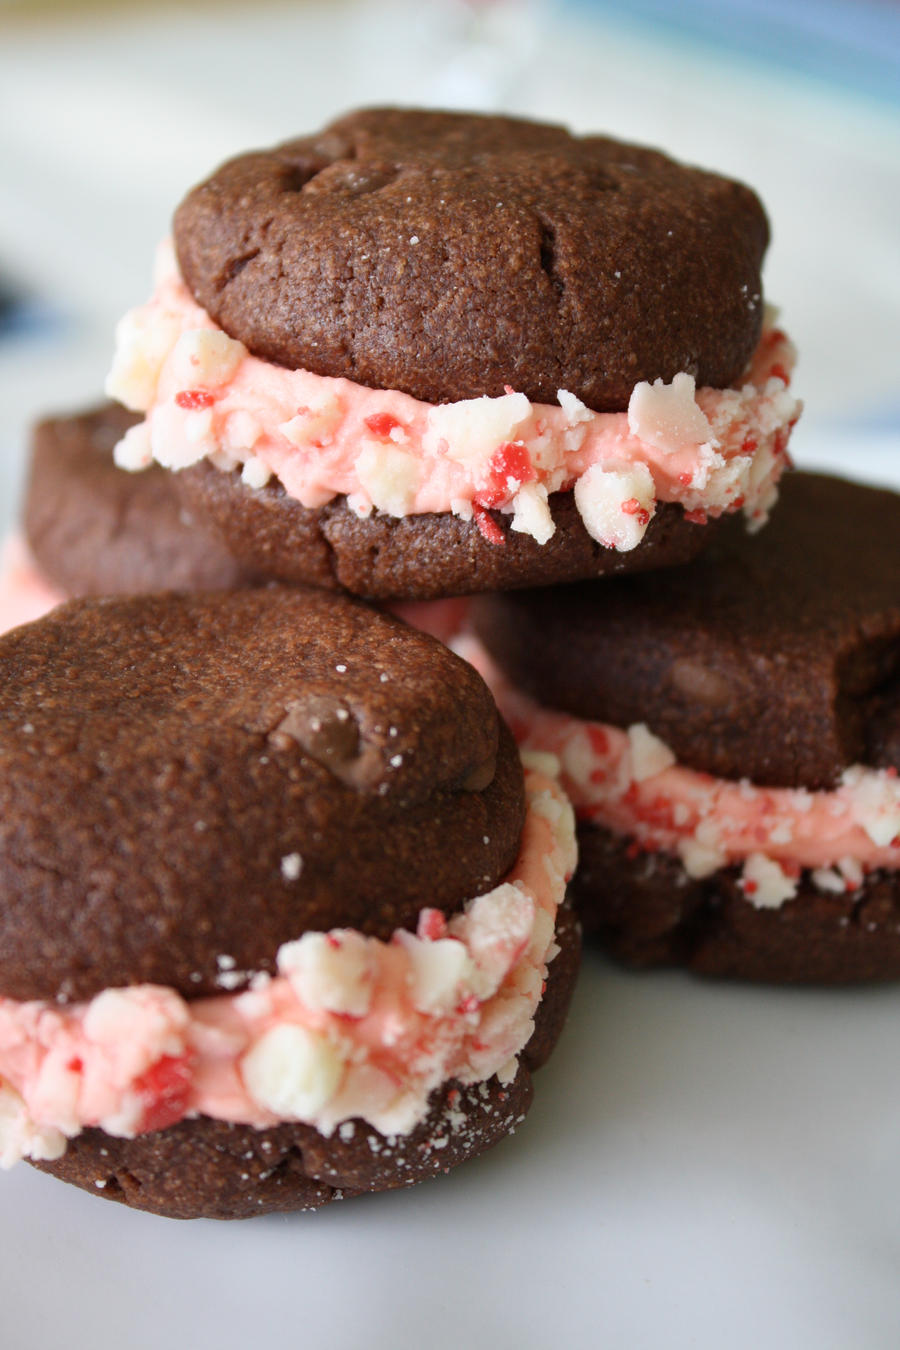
(97, 530)
(645, 910)
(418, 557)
(211, 1169)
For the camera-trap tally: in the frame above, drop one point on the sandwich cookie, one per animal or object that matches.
(280, 916)
(91, 530)
(425, 354)
(729, 734)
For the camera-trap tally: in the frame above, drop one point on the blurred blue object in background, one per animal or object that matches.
(853, 43)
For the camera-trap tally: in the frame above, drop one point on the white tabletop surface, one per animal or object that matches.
(705, 1165)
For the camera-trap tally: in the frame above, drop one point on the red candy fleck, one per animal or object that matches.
(75, 1064)
(780, 373)
(781, 441)
(333, 941)
(381, 424)
(598, 739)
(737, 503)
(696, 517)
(777, 335)
(750, 887)
(467, 1005)
(685, 479)
(191, 399)
(509, 461)
(453, 1096)
(166, 1090)
(432, 925)
(633, 850)
(750, 444)
(489, 528)
(633, 508)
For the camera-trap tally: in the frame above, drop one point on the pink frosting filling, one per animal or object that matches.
(349, 1027)
(24, 593)
(630, 782)
(204, 396)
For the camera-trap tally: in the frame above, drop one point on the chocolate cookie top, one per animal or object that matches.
(773, 657)
(186, 782)
(450, 255)
(95, 530)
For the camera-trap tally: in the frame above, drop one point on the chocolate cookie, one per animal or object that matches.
(450, 255)
(774, 658)
(729, 738)
(280, 919)
(94, 530)
(415, 557)
(432, 353)
(190, 744)
(645, 910)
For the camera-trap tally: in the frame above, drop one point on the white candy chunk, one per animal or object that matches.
(532, 514)
(649, 755)
(255, 474)
(206, 357)
(497, 928)
(330, 972)
(579, 758)
(827, 879)
(292, 1072)
(699, 860)
(176, 440)
(667, 416)
(20, 1137)
(197, 426)
(473, 428)
(389, 476)
(876, 803)
(436, 970)
(616, 505)
(143, 343)
(851, 870)
(766, 886)
(240, 433)
(541, 761)
(133, 452)
(154, 1019)
(507, 1072)
(575, 411)
(314, 423)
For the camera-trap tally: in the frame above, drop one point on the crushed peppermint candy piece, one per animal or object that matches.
(649, 755)
(765, 884)
(616, 505)
(667, 416)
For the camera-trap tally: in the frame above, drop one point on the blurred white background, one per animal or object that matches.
(705, 1166)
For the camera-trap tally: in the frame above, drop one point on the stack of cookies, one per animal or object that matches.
(284, 912)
